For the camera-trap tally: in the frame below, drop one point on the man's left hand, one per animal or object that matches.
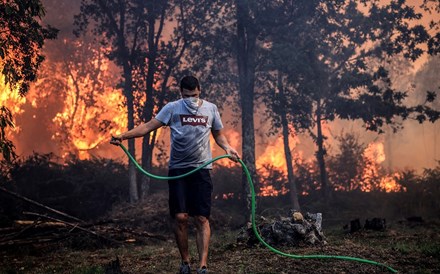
(116, 140)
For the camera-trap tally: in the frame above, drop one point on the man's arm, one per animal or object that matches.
(139, 131)
(221, 140)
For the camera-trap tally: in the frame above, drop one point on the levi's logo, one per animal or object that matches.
(193, 120)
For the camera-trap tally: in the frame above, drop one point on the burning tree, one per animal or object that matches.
(121, 27)
(358, 167)
(21, 40)
(82, 78)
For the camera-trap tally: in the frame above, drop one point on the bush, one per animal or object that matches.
(82, 188)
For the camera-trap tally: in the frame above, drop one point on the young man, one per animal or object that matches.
(191, 120)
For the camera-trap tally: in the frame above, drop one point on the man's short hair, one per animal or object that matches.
(189, 83)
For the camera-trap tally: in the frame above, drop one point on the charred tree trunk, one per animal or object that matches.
(148, 141)
(285, 126)
(133, 191)
(321, 152)
(246, 45)
(123, 56)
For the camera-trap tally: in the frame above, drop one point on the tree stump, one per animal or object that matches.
(296, 230)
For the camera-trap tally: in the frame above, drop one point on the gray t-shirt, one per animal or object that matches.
(190, 131)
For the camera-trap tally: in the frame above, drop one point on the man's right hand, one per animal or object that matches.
(116, 140)
(233, 153)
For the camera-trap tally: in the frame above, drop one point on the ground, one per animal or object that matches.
(406, 247)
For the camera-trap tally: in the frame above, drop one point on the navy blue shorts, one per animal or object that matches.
(191, 194)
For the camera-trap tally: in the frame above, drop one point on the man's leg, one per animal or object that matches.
(181, 233)
(203, 235)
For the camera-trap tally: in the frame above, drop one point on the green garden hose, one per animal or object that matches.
(253, 206)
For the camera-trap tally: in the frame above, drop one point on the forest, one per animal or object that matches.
(332, 106)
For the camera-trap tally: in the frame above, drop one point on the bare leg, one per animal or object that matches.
(203, 236)
(181, 233)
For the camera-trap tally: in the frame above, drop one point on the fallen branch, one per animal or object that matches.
(22, 242)
(141, 234)
(73, 225)
(16, 195)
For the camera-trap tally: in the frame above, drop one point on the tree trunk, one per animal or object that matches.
(148, 141)
(285, 126)
(321, 152)
(246, 44)
(133, 192)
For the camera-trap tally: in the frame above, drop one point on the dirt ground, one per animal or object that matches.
(404, 246)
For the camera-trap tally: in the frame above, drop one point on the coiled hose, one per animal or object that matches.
(253, 206)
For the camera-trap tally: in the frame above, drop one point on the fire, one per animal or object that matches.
(274, 157)
(389, 183)
(371, 178)
(11, 98)
(91, 108)
(84, 123)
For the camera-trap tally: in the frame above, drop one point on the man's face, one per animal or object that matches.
(186, 93)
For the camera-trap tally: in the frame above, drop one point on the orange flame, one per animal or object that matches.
(371, 178)
(11, 98)
(84, 131)
(274, 157)
(91, 108)
(13, 101)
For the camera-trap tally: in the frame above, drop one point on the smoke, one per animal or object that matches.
(414, 147)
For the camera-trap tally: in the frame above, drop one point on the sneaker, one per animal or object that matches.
(185, 268)
(202, 270)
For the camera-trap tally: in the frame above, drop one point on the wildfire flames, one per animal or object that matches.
(274, 157)
(11, 99)
(81, 120)
(92, 109)
(85, 133)
(371, 178)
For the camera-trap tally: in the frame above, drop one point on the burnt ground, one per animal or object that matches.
(405, 246)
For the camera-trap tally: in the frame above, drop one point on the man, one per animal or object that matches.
(191, 120)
